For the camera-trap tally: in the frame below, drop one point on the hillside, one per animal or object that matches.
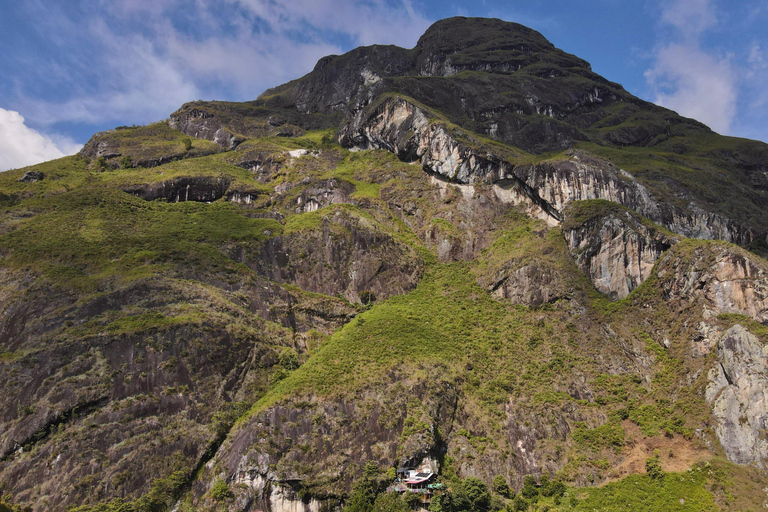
(475, 256)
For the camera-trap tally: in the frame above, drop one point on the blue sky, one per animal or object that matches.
(70, 69)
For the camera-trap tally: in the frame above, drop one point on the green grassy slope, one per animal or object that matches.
(149, 306)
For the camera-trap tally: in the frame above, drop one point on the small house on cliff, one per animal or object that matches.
(420, 481)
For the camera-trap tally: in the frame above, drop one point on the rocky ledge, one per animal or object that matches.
(399, 125)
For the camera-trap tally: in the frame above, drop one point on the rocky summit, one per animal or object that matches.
(469, 276)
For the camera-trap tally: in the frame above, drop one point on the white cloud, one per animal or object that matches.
(137, 61)
(695, 84)
(367, 22)
(686, 78)
(21, 146)
(690, 17)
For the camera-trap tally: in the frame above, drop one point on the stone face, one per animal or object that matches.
(727, 278)
(738, 394)
(32, 176)
(343, 255)
(531, 285)
(323, 193)
(616, 251)
(203, 125)
(198, 188)
(546, 189)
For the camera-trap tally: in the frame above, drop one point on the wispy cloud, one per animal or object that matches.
(136, 61)
(688, 79)
(695, 84)
(690, 17)
(21, 146)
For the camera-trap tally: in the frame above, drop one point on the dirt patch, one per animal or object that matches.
(676, 453)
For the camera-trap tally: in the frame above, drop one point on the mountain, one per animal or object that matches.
(475, 256)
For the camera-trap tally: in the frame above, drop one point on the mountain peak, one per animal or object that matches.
(481, 34)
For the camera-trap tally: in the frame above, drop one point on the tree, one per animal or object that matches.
(289, 359)
(529, 487)
(101, 164)
(365, 490)
(500, 486)
(519, 504)
(187, 143)
(472, 494)
(367, 297)
(390, 502)
(411, 499)
(551, 488)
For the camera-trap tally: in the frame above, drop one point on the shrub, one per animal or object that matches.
(519, 504)
(390, 502)
(187, 143)
(220, 491)
(367, 297)
(472, 494)
(551, 488)
(653, 467)
(289, 359)
(500, 486)
(529, 487)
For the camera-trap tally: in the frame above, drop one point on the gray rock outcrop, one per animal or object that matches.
(617, 251)
(399, 125)
(729, 279)
(738, 394)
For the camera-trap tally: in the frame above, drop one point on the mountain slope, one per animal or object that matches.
(476, 255)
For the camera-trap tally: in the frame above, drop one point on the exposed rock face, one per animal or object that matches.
(143, 146)
(738, 394)
(401, 127)
(204, 125)
(318, 445)
(344, 255)
(267, 495)
(335, 81)
(228, 124)
(111, 393)
(32, 177)
(616, 251)
(264, 164)
(199, 188)
(728, 278)
(531, 285)
(126, 364)
(323, 193)
(410, 132)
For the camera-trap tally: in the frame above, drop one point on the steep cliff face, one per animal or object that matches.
(398, 125)
(88, 395)
(202, 189)
(738, 394)
(615, 249)
(340, 253)
(729, 279)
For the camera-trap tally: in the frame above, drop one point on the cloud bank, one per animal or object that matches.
(21, 146)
